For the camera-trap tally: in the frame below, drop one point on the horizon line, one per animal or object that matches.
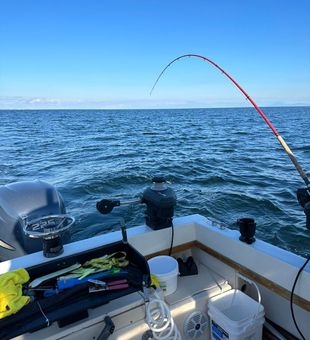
(145, 109)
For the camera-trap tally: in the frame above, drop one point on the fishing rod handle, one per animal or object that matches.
(294, 160)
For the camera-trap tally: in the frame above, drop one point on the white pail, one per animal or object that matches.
(166, 270)
(235, 316)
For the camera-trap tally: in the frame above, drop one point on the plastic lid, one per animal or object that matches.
(163, 266)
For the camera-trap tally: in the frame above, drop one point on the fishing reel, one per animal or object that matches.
(303, 196)
(160, 202)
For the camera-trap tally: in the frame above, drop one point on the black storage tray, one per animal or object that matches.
(72, 304)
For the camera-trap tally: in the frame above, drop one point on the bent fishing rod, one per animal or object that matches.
(258, 109)
(303, 194)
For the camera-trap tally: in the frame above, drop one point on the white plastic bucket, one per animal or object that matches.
(166, 270)
(235, 316)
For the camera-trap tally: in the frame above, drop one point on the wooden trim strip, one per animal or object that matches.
(256, 277)
(299, 301)
(176, 249)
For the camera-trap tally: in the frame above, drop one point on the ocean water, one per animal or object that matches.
(222, 163)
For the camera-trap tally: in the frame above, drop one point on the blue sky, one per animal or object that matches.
(107, 54)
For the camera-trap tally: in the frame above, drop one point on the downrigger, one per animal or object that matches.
(160, 201)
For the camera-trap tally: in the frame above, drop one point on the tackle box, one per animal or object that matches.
(71, 305)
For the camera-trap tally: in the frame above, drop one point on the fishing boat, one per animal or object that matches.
(186, 277)
(224, 264)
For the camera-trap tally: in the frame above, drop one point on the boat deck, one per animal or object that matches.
(128, 312)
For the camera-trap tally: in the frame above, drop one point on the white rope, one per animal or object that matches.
(160, 321)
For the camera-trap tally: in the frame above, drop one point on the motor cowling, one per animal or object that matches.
(25, 201)
(160, 202)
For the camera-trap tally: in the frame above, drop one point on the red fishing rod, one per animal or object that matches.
(258, 109)
(303, 195)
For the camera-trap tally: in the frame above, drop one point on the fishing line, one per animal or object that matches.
(258, 109)
(292, 296)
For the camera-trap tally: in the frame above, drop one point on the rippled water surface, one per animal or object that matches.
(222, 163)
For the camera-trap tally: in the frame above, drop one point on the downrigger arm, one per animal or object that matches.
(160, 201)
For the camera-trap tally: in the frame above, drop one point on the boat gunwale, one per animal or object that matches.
(198, 231)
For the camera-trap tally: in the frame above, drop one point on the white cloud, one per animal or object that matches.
(32, 103)
(43, 101)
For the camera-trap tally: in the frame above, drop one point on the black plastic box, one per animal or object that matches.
(72, 304)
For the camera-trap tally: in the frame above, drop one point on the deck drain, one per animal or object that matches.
(195, 325)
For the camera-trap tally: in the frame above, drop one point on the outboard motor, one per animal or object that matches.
(28, 210)
(160, 201)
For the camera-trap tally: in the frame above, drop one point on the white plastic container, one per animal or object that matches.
(235, 316)
(166, 270)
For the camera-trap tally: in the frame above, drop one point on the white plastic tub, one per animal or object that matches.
(236, 316)
(166, 270)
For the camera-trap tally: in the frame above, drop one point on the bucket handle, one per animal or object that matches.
(259, 298)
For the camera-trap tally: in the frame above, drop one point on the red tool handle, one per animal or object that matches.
(116, 282)
(116, 287)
